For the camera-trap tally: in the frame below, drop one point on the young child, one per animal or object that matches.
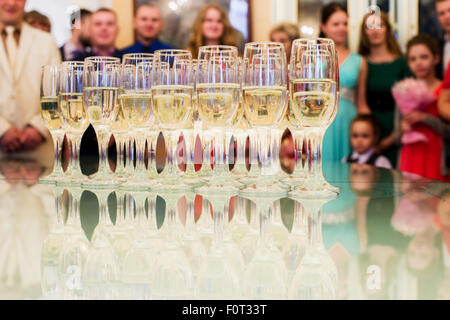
(364, 136)
(424, 158)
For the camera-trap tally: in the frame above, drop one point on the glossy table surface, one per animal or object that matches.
(387, 236)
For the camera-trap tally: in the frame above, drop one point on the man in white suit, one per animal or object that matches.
(23, 52)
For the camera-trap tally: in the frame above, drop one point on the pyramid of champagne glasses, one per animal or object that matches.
(213, 125)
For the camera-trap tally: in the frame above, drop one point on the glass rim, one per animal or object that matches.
(270, 43)
(313, 41)
(102, 59)
(221, 47)
(172, 52)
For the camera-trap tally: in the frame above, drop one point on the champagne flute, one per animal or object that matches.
(136, 104)
(265, 101)
(314, 91)
(71, 102)
(218, 91)
(121, 132)
(51, 115)
(101, 83)
(172, 91)
(316, 276)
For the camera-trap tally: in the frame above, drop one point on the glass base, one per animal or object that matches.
(52, 179)
(137, 184)
(314, 189)
(265, 186)
(103, 181)
(72, 179)
(217, 188)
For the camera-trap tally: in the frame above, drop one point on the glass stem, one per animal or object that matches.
(103, 141)
(275, 139)
(241, 139)
(140, 152)
(219, 152)
(314, 139)
(152, 139)
(219, 209)
(189, 140)
(265, 222)
(129, 166)
(104, 219)
(120, 167)
(74, 163)
(171, 143)
(298, 138)
(206, 149)
(314, 214)
(57, 143)
(253, 153)
(263, 150)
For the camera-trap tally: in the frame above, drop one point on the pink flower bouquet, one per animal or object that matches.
(412, 95)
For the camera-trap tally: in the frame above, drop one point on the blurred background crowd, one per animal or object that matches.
(369, 127)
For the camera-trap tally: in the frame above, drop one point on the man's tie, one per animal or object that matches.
(11, 46)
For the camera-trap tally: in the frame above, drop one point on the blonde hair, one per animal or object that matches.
(289, 28)
(197, 39)
(364, 43)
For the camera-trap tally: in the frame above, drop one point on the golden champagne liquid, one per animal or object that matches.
(313, 101)
(73, 111)
(265, 106)
(137, 108)
(218, 103)
(50, 113)
(120, 124)
(101, 105)
(172, 105)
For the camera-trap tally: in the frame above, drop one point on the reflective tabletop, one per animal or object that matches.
(386, 236)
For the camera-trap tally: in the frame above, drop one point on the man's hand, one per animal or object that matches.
(10, 140)
(31, 138)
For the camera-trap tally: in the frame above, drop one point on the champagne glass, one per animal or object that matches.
(136, 104)
(191, 133)
(52, 117)
(172, 91)
(314, 90)
(121, 132)
(101, 83)
(316, 276)
(71, 103)
(218, 91)
(265, 97)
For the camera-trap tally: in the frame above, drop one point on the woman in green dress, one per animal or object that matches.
(352, 79)
(386, 66)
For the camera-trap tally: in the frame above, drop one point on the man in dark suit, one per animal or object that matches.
(148, 24)
(80, 39)
(443, 13)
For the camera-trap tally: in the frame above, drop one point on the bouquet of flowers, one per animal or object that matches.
(410, 95)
